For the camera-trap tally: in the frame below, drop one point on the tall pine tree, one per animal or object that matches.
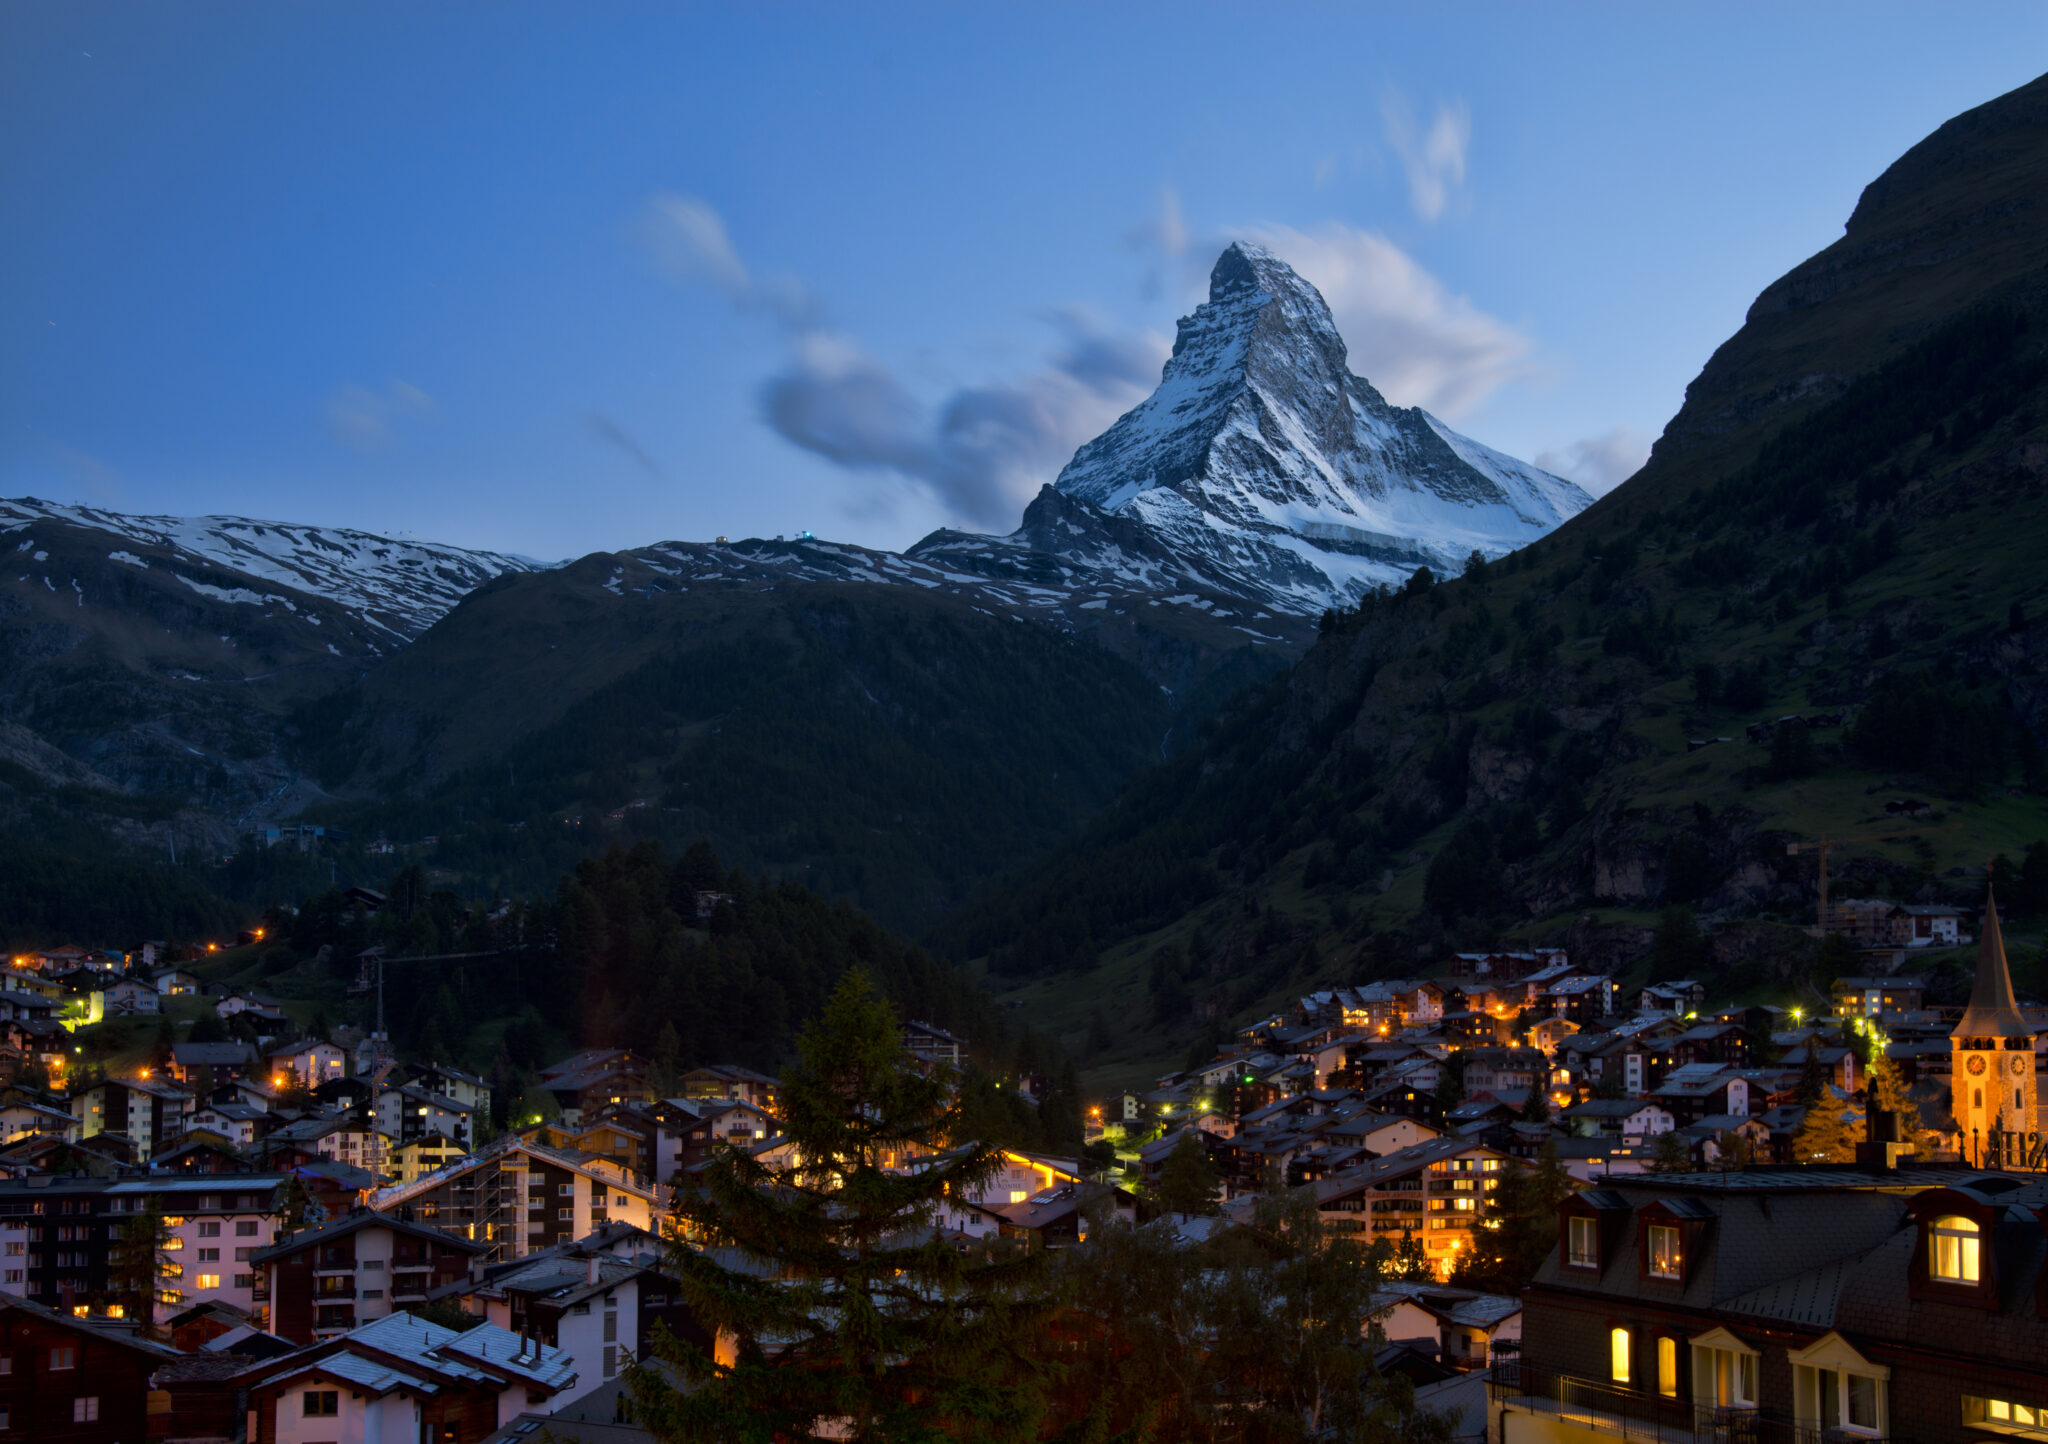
(837, 1305)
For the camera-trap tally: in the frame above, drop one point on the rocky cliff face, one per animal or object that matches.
(1262, 469)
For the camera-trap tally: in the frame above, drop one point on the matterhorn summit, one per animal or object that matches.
(1262, 468)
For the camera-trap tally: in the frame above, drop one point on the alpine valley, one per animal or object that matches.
(894, 729)
(1276, 687)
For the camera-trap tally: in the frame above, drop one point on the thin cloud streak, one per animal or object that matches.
(608, 431)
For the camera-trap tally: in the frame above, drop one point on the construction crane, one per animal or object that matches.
(1828, 844)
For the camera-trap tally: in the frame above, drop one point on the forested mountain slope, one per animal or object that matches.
(1844, 523)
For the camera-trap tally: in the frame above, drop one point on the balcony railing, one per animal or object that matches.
(1609, 1408)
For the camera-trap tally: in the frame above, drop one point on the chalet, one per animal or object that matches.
(1872, 1305)
(584, 1092)
(404, 1114)
(422, 1155)
(728, 1081)
(23, 1117)
(400, 1378)
(465, 1088)
(1488, 1069)
(149, 1113)
(1058, 1217)
(1720, 1043)
(77, 1381)
(1927, 925)
(329, 1280)
(264, 1012)
(27, 1005)
(933, 1045)
(206, 1066)
(177, 983)
(1580, 998)
(1633, 1120)
(1677, 999)
(519, 1197)
(128, 996)
(1698, 1090)
(1436, 1191)
(314, 1062)
(1500, 967)
(1861, 997)
(236, 1125)
(352, 1137)
(1460, 1326)
(596, 1302)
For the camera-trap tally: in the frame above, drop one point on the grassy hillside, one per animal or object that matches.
(1843, 520)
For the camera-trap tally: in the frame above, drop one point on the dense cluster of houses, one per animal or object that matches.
(346, 1249)
(1401, 1101)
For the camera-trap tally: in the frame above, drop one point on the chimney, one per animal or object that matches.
(591, 1279)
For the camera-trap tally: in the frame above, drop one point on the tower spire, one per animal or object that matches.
(1993, 1012)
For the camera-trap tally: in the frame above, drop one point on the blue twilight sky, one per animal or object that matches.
(555, 278)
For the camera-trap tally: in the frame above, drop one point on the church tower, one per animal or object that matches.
(1991, 1052)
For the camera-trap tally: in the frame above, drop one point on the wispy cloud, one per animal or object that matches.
(1599, 463)
(1433, 157)
(367, 418)
(980, 452)
(604, 429)
(687, 239)
(1410, 335)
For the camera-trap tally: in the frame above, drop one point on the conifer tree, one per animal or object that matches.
(1670, 1153)
(1187, 1180)
(1411, 1260)
(1885, 1093)
(1825, 1134)
(138, 1263)
(836, 1305)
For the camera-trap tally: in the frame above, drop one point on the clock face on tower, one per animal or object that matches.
(1976, 1064)
(2019, 1066)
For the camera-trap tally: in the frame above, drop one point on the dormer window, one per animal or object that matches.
(1585, 1243)
(1664, 1252)
(1952, 1249)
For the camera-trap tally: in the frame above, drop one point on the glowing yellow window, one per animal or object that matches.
(1952, 1245)
(1667, 1367)
(1617, 1345)
(1664, 1257)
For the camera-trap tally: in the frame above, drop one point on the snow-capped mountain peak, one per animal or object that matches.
(1268, 470)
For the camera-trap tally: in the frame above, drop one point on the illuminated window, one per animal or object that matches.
(1617, 1348)
(1667, 1367)
(2006, 1416)
(1584, 1244)
(1952, 1245)
(1663, 1251)
(208, 1281)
